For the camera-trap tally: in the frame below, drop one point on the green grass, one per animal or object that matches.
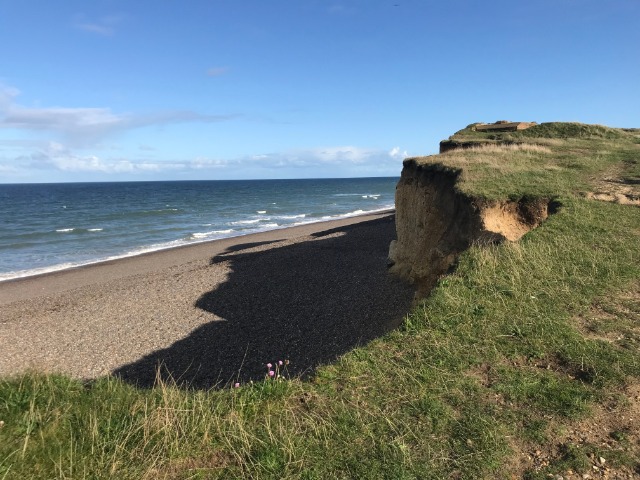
(494, 363)
(545, 160)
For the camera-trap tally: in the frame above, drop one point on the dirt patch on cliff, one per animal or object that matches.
(617, 187)
(613, 197)
(513, 219)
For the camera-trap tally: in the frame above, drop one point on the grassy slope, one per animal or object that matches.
(494, 365)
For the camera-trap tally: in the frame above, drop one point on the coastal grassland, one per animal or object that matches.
(545, 160)
(497, 374)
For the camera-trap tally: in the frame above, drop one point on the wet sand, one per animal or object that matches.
(210, 313)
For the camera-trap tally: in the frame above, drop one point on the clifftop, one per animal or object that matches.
(548, 159)
(491, 186)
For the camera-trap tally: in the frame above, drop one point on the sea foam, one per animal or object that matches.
(211, 233)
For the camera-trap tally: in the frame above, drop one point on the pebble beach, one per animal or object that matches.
(213, 313)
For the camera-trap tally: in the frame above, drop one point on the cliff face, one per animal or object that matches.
(435, 222)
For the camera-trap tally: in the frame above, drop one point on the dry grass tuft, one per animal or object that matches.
(502, 148)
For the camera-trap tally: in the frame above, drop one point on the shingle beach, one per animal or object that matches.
(210, 313)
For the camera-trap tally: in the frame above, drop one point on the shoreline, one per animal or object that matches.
(58, 281)
(177, 243)
(213, 312)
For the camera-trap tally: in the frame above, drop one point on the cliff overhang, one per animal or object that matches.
(496, 182)
(435, 222)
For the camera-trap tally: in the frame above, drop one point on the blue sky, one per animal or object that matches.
(113, 90)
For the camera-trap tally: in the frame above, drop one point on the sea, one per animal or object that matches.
(50, 227)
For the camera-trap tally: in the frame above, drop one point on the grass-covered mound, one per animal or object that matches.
(523, 362)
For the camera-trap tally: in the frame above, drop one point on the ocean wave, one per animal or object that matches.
(36, 271)
(261, 212)
(363, 195)
(246, 222)
(208, 234)
(352, 214)
(78, 230)
(290, 217)
(356, 213)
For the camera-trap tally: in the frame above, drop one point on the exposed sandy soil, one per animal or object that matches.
(616, 187)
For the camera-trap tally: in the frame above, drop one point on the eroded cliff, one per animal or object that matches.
(435, 222)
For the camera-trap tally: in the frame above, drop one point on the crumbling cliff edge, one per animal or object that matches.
(435, 222)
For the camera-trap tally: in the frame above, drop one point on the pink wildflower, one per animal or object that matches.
(236, 385)
(269, 365)
(271, 373)
(280, 362)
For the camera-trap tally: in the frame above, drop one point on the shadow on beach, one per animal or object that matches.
(305, 302)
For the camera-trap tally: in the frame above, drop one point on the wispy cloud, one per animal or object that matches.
(61, 158)
(217, 71)
(105, 26)
(74, 145)
(8, 169)
(54, 159)
(87, 125)
(333, 155)
(340, 156)
(203, 163)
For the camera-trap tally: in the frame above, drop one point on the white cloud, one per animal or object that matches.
(60, 119)
(60, 158)
(55, 158)
(341, 156)
(201, 163)
(395, 152)
(85, 126)
(348, 154)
